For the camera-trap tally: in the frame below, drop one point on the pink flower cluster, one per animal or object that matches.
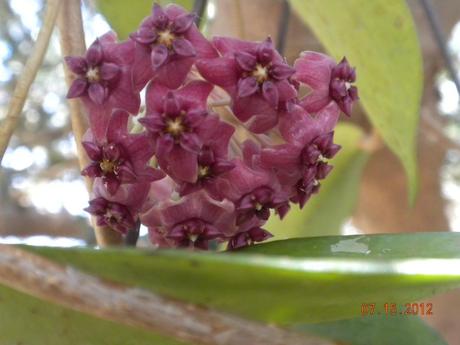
(226, 139)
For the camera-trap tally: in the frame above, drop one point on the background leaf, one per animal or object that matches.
(378, 330)
(330, 283)
(30, 321)
(379, 38)
(325, 213)
(125, 16)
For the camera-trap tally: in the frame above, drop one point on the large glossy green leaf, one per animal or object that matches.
(379, 38)
(29, 321)
(125, 16)
(326, 212)
(307, 280)
(378, 330)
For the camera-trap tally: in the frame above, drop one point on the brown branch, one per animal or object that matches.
(73, 43)
(240, 19)
(66, 286)
(28, 76)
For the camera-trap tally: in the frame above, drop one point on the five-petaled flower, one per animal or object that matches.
(121, 157)
(167, 44)
(329, 82)
(256, 77)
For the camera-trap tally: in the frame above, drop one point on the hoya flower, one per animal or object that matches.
(167, 44)
(302, 161)
(329, 82)
(103, 79)
(212, 159)
(247, 238)
(122, 158)
(254, 193)
(120, 211)
(173, 120)
(256, 77)
(193, 221)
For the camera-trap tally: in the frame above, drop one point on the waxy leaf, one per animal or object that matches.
(285, 282)
(378, 330)
(30, 321)
(325, 212)
(379, 38)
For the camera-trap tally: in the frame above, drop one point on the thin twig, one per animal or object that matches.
(42, 278)
(440, 40)
(283, 27)
(240, 19)
(72, 40)
(198, 7)
(220, 103)
(28, 76)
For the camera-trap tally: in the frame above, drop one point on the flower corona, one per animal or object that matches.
(226, 140)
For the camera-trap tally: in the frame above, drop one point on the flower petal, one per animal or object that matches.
(314, 69)
(220, 71)
(183, 165)
(270, 93)
(173, 73)
(118, 125)
(94, 54)
(97, 93)
(247, 87)
(109, 71)
(78, 88)
(190, 142)
(196, 92)
(159, 56)
(92, 150)
(183, 22)
(76, 64)
(245, 60)
(183, 47)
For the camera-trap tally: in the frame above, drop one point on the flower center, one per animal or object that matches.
(107, 166)
(166, 38)
(203, 171)
(175, 127)
(260, 73)
(258, 206)
(93, 75)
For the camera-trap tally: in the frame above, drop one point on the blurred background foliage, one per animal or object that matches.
(42, 194)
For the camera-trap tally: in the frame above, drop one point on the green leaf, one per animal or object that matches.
(285, 282)
(125, 16)
(325, 213)
(29, 321)
(379, 38)
(378, 330)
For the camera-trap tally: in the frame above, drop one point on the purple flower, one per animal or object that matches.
(212, 160)
(254, 193)
(119, 211)
(248, 238)
(167, 44)
(103, 79)
(329, 82)
(173, 120)
(302, 161)
(192, 221)
(111, 214)
(256, 77)
(122, 158)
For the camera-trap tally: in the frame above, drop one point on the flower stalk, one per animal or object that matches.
(72, 42)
